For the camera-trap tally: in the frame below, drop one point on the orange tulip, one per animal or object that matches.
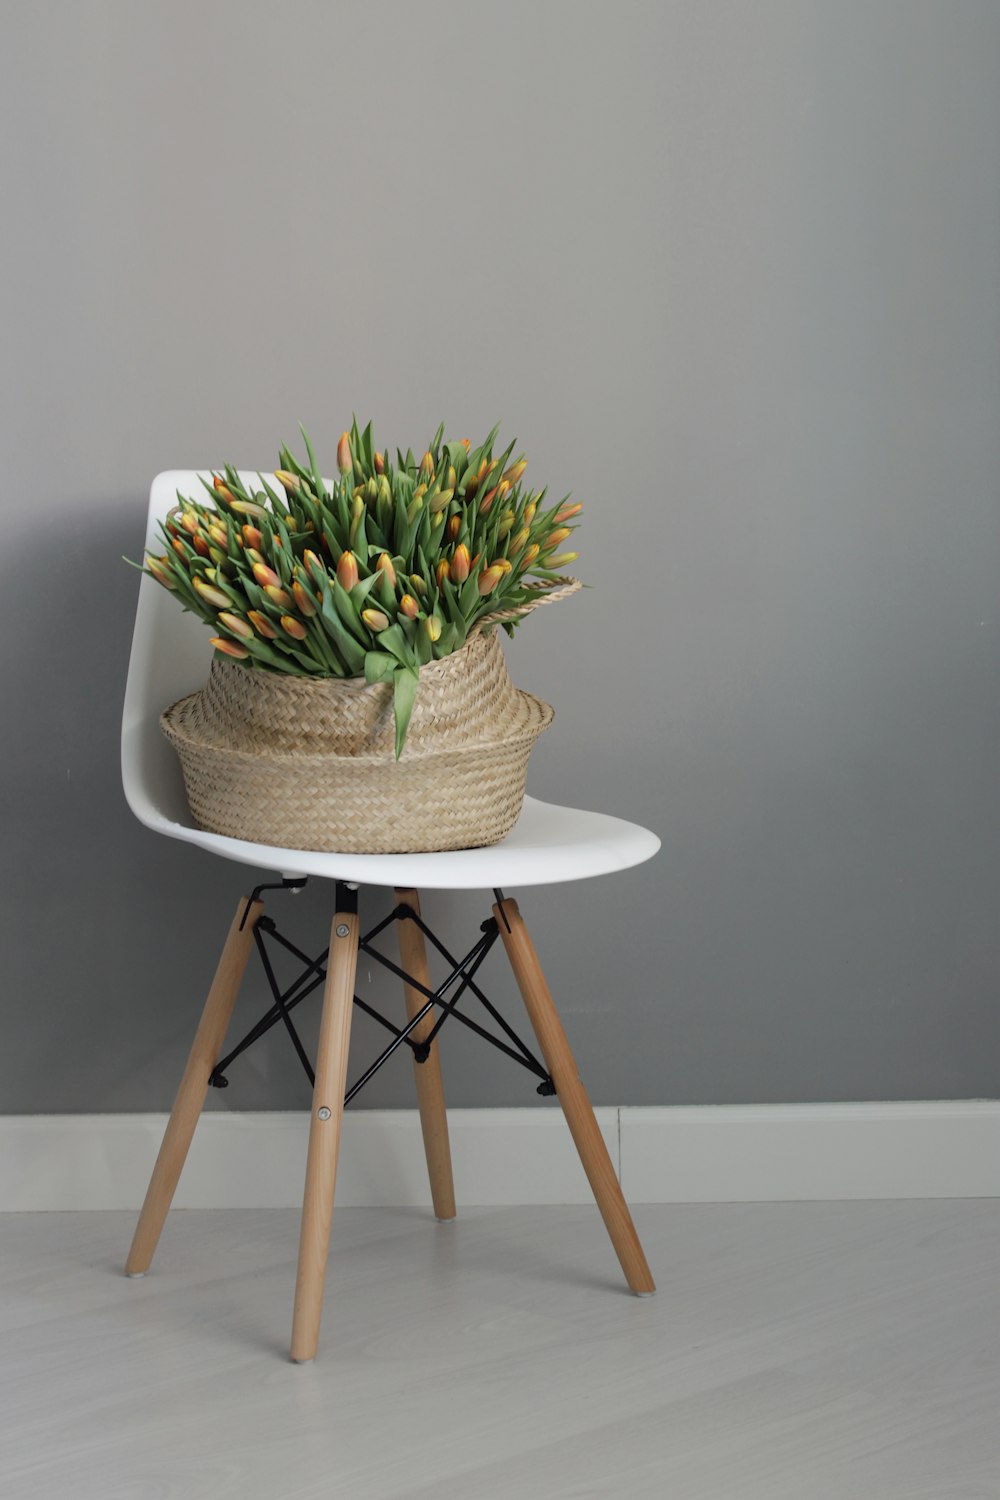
(252, 536)
(375, 620)
(561, 559)
(517, 542)
(302, 599)
(555, 537)
(236, 625)
(442, 571)
(315, 565)
(200, 546)
(344, 462)
(262, 624)
(212, 596)
(230, 648)
(384, 565)
(460, 563)
(427, 465)
(569, 511)
(409, 607)
(531, 554)
(278, 596)
(453, 528)
(514, 473)
(265, 576)
(293, 627)
(287, 479)
(160, 570)
(432, 625)
(379, 464)
(347, 570)
(222, 489)
(489, 578)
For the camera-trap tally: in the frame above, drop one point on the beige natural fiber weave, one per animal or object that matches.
(309, 762)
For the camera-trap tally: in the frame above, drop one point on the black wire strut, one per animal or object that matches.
(462, 974)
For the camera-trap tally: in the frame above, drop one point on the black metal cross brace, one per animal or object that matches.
(313, 974)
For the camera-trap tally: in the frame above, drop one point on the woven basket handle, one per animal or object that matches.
(548, 593)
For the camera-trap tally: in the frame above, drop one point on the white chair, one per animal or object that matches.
(170, 657)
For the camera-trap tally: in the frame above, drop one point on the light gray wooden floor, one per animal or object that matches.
(818, 1351)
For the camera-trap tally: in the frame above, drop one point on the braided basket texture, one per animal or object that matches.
(308, 763)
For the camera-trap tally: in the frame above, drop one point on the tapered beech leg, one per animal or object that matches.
(324, 1128)
(190, 1100)
(430, 1088)
(573, 1096)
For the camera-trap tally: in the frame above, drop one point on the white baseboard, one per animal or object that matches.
(685, 1154)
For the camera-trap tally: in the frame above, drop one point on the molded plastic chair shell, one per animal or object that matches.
(171, 655)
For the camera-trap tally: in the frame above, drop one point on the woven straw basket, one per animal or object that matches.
(309, 762)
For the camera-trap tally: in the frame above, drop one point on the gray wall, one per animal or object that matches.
(730, 273)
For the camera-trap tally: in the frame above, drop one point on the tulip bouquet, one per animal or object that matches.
(374, 575)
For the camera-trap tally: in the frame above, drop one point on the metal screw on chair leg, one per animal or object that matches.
(324, 1113)
(343, 929)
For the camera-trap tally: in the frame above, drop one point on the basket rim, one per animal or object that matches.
(546, 713)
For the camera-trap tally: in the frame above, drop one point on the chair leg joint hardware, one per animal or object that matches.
(427, 1011)
(314, 971)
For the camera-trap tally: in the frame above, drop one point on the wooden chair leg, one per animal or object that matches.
(190, 1100)
(325, 1125)
(573, 1096)
(430, 1087)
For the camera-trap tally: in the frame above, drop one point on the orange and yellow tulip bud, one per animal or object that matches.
(439, 501)
(305, 605)
(219, 535)
(460, 563)
(179, 548)
(555, 537)
(201, 546)
(262, 625)
(427, 465)
(347, 570)
(514, 473)
(236, 625)
(248, 508)
(222, 489)
(254, 556)
(211, 595)
(419, 584)
(409, 607)
(451, 477)
(252, 536)
(190, 523)
(230, 648)
(529, 512)
(379, 464)
(278, 596)
(454, 527)
(432, 625)
(293, 627)
(561, 559)
(506, 522)
(504, 565)
(344, 461)
(569, 511)
(384, 565)
(266, 576)
(288, 480)
(160, 570)
(442, 571)
(531, 554)
(465, 444)
(375, 620)
(487, 501)
(489, 578)
(517, 543)
(315, 566)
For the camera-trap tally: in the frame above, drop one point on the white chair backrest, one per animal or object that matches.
(171, 656)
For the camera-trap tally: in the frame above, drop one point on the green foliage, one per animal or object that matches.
(387, 568)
